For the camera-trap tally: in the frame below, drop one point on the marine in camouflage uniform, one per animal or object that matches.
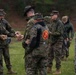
(30, 23)
(29, 19)
(68, 36)
(47, 20)
(4, 44)
(56, 41)
(36, 50)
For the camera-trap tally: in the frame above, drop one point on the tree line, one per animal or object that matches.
(43, 6)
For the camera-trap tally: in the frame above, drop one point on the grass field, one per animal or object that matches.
(17, 54)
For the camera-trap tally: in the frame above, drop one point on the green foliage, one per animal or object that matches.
(0, 1)
(4, 5)
(19, 6)
(49, 1)
(66, 6)
(44, 1)
(43, 9)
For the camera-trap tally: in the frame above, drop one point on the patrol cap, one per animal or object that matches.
(47, 18)
(38, 16)
(27, 8)
(65, 19)
(54, 12)
(2, 13)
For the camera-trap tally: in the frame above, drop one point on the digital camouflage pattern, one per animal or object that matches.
(36, 58)
(56, 30)
(56, 41)
(5, 29)
(48, 20)
(29, 25)
(44, 34)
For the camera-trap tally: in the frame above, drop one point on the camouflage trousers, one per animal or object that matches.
(5, 52)
(55, 52)
(35, 65)
(65, 48)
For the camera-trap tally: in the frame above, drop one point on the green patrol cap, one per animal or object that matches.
(38, 16)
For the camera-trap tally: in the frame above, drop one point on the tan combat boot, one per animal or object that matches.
(11, 72)
(49, 70)
(57, 72)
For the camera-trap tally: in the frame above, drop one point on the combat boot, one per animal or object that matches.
(49, 70)
(11, 72)
(57, 72)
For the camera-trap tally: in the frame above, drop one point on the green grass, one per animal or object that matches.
(17, 54)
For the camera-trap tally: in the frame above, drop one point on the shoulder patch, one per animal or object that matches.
(45, 34)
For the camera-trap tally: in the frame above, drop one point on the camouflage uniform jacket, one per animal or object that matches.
(56, 28)
(29, 25)
(38, 39)
(5, 29)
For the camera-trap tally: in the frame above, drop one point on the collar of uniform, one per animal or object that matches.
(56, 20)
(28, 18)
(41, 23)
